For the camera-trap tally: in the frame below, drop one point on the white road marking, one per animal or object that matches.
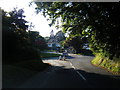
(72, 65)
(81, 75)
(78, 72)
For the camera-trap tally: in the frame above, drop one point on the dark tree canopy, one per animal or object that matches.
(14, 31)
(17, 43)
(98, 22)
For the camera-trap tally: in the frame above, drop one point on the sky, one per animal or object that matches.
(40, 22)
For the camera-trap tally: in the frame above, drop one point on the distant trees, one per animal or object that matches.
(76, 42)
(41, 43)
(98, 22)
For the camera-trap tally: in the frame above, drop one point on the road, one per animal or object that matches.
(75, 72)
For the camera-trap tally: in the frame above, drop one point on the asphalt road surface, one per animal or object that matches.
(75, 72)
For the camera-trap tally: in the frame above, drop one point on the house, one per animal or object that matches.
(53, 41)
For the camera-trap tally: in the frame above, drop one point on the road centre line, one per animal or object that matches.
(81, 75)
(78, 72)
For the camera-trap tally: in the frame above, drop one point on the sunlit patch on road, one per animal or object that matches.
(58, 63)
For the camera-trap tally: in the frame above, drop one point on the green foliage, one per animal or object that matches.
(62, 43)
(76, 42)
(14, 33)
(16, 41)
(110, 65)
(95, 21)
(37, 41)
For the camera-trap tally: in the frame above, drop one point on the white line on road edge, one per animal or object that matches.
(78, 72)
(72, 65)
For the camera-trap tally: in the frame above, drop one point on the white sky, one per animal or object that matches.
(41, 24)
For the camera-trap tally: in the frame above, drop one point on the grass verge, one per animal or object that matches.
(111, 65)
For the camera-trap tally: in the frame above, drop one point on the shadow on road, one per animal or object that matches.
(61, 77)
(71, 79)
(101, 81)
(70, 57)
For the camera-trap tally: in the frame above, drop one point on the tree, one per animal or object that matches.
(14, 30)
(15, 38)
(41, 43)
(77, 42)
(95, 21)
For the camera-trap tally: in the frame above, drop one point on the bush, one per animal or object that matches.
(28, 53)
(34, 65)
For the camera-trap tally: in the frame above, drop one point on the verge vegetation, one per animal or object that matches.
(104, 62)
